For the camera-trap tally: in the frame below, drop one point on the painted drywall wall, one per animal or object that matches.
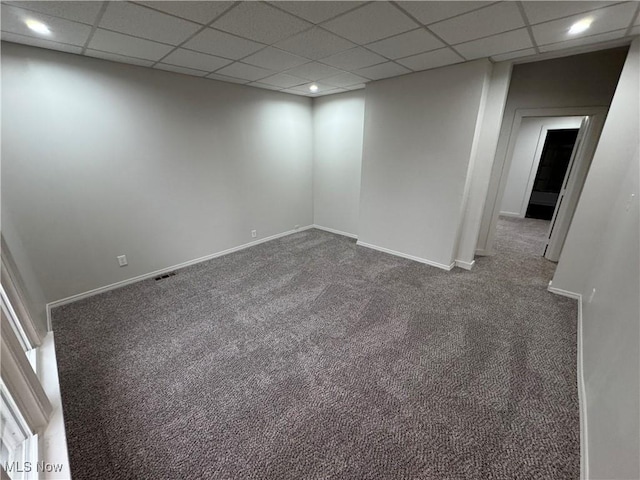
(101, 159)
(524, 164)
(418, 137)
(23, 274)
(585, 80)
(602, 252)
(338, 123)
(480, 171)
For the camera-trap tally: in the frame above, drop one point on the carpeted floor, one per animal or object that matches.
(310, 358)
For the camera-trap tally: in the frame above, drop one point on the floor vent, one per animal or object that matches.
(166, 275)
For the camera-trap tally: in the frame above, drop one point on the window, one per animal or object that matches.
(24, 406)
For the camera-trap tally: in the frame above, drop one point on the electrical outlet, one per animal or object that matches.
(593, 292)
(254, 233)
(122, 260)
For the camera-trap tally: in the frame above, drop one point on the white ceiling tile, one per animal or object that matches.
(327, 92)
(183, 70)
(222, 44)
(62, 31)
(224, 78)
(143, 22)
(405, 44)
(260, 22)
(322, 87)
(315, 43)
(118, 58)
(372, 22)
(434, 59)
(431, 12)
(84, 12)
(244, 71)
(39, 42)
(637, 22)
(125, 45)
(511, 55)
(265, 86)
(283, 80)
(604, 20)
(487, 21)
(314, 71)
(384, 70)
(543, 11)
(294, 92)
(345, 79)
(200, 12)
(195, 60)
(274, 59)
(356, 87)
(304, 93)
(352, 59)
(496, 44)
(317, 12)
(635, 31)
(577, 42)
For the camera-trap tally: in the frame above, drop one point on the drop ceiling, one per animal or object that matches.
(338, 46)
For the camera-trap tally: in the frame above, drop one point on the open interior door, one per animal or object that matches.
(570, 192)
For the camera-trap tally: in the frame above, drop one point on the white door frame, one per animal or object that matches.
(537, 156)
(597, 112)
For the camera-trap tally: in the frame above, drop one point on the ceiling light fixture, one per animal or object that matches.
(313, 88)
(580, 26)
(38, 27)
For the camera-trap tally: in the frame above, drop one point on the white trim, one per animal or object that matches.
(337, 232)
(21, 380)
(145, 276)
(564, 293)
(582, 391)
(54, 439)
(14, 297)
(511, 214)
(405, 255)
(465, 265)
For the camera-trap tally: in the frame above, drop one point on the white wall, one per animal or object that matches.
(585, 80)
(338, 123)
(602, 252)
(480, 168)
(13, 252)
(524, 164)
(418, 137)
(101, 159)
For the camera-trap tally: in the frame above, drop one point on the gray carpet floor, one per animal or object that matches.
(310, 358)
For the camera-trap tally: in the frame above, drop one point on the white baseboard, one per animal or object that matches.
(582, 392)
(145, 276)
(582, 400)
(564, 293)
(465, 265)
(337, 232)
(511, 214)
(405, 255)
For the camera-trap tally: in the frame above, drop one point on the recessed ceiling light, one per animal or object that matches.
(38, 27)
(313, 88)
(580, 26)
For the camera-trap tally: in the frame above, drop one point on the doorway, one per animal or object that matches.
(512, 199)
(547, 184)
